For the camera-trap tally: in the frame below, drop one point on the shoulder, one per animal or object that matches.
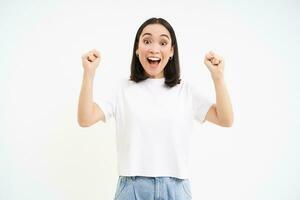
(185, 84)
(125, 83)
(192, 88)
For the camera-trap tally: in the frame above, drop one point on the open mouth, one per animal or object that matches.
(153, 61)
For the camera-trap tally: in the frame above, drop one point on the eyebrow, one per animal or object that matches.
(160, 35)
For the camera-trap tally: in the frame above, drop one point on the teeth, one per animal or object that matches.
(153, 58)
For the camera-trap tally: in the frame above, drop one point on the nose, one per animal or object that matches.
(154, 48)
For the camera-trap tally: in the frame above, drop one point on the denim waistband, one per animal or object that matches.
(151, 177)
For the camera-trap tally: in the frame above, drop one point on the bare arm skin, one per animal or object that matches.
(221, 113)
(88, 111)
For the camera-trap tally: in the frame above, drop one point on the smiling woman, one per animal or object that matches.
(155, 53)
(154, 111)
(154, 47)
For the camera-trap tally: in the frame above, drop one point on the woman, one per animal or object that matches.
(154, 112)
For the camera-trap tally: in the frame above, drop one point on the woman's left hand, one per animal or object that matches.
(215, 65)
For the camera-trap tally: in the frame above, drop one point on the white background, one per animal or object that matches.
(45, 154)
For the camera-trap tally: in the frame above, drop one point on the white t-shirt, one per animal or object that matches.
(154, 125)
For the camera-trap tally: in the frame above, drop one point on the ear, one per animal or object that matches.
(172, 51)
(136, 52)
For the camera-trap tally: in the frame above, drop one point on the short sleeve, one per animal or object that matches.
(200, 104)
(107, 99)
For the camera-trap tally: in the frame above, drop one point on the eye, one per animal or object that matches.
(164, 43)
(146, 41)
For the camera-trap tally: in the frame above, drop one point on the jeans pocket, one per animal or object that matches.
(122, 182)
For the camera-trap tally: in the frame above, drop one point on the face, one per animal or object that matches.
(154, 49)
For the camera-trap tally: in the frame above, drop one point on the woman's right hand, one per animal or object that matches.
(90, 61)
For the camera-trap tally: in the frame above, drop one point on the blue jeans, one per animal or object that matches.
(152, 188)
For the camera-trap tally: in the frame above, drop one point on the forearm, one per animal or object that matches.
(223, 103)
(85, 105)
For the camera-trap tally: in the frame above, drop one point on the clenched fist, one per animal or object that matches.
(215, 65)
(91, 60)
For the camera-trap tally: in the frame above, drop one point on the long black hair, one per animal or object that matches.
(171, 70)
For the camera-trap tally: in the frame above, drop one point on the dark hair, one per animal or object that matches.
(171, 70)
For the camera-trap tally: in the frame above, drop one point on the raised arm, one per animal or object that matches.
(221, 113)
(88, 111)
